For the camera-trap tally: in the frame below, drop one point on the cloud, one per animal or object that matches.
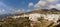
(14, 10)
(30, 4)
(2, 12)
(17, 11)
(2, 4)
(52, 6)
(51, 1)
(45, 3)
(55, 6)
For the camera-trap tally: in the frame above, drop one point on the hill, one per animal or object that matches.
(11, 22)
(8, 21)
(43, 11)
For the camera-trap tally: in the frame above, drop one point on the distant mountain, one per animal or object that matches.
(45, 11)
(5, 15)
(25, 21)
(41, 11)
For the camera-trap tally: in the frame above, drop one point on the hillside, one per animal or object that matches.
(9, 21)
(46, 11)
(40, 11)
(24, 22)
(43, 11)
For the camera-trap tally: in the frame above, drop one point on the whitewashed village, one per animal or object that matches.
(36, 18)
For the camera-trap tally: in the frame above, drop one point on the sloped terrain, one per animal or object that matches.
(11, 22)
(25, 22)
(43, 11)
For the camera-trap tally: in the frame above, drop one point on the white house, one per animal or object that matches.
(53, 17)
(34, 16)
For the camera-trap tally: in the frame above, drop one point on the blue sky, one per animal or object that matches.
(15, 6)
(19, 3)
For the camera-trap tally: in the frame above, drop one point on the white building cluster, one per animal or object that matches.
(34, 16)
(53, 17)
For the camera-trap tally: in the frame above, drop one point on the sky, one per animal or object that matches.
(18, 6)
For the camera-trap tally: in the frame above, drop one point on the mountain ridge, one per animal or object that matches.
(40, 11)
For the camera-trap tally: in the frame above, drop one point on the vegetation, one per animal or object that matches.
(25, 22)
(11, 22)
(43, 23)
